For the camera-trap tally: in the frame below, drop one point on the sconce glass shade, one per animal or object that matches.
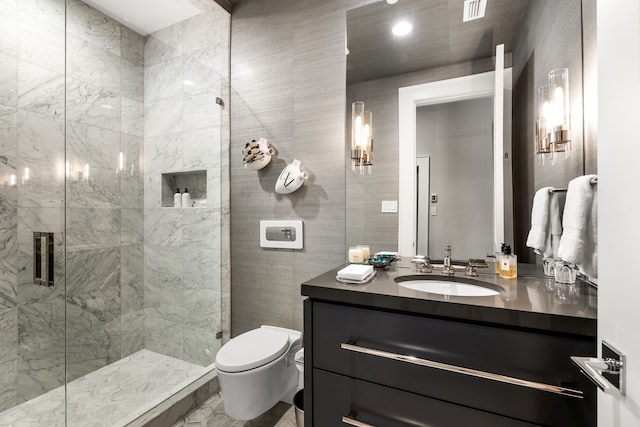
(361, 135)
(553, 127)
(542, 130)
(561, 114)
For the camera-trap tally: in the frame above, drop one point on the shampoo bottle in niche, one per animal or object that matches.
(177, 199)
(186, 198)
(508, 264)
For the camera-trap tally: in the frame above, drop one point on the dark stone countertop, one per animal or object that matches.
(531, 301)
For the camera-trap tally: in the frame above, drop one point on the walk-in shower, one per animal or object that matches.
(110, 297)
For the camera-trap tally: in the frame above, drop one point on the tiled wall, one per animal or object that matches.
(288, 68)
(32, 106)
(186, 249)
(104, 210)
(102, 124)
(104, 216)
(100, 117)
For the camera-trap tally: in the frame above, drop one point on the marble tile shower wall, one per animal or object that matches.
(104, 82)
(31, 110)
(186, 68)
(105, 95)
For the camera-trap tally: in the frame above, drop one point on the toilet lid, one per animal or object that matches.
(252, 349)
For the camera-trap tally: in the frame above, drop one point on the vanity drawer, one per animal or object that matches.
(337, 396)
(343, 335)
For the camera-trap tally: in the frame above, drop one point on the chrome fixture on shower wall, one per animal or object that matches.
(361, 136)
(43, 259)
(553, 127)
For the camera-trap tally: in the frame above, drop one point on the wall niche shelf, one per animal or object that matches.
(195, 181)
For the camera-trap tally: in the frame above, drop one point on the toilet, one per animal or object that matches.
(257, 369)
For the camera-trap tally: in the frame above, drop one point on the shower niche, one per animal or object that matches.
(195, 181)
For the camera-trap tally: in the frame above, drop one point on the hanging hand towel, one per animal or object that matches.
(546, 228)
(579, 241)
(555, 226)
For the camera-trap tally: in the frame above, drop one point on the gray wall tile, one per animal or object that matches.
(288, 87)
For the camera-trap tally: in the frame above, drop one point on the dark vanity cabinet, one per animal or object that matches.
(377, 367)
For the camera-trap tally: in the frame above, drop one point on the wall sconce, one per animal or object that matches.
(361, 135)
(553, 127)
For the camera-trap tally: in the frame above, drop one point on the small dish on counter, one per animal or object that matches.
(381, 261)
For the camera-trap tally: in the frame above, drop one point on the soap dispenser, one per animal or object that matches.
(177, 199)
(508, 264)
(498, 256)
(186, 198)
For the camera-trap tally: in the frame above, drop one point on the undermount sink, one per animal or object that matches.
(445, 286)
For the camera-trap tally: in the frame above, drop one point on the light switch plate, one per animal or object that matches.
(434, 211)
(281, 234)
(389, 206)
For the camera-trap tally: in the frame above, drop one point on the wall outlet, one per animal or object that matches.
(389, 206)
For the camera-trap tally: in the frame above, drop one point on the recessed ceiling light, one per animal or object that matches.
(402, 28)
(187, 82)
(392, 1)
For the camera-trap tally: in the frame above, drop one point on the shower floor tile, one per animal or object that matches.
(111, 396)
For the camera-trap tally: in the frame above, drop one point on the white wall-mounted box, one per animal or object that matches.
(281, 234)
(390, 206)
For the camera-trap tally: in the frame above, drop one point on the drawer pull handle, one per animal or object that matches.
(356, 423)
(466, 371)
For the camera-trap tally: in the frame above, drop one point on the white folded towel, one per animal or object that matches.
(546, 229)
(579, 242)
(555, 225)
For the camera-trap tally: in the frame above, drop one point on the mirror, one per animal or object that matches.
(539, 35)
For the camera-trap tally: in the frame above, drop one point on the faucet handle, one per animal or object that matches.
(427, 267)
(423, 263)
(473, 265)
(418, 259)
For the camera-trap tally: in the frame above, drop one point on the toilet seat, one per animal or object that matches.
(251, 350)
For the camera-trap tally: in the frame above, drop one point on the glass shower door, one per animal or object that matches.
(107, 295)
(32, 195)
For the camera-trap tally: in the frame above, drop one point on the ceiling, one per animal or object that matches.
(146, 16)
(439, 36)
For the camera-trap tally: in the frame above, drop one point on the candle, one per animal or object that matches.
(355, 255)
(366, 253)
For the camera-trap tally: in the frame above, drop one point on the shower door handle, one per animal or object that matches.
(43, 259)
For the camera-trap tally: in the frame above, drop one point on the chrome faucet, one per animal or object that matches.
(447, 268)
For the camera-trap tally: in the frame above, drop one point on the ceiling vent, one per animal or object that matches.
(474, 9)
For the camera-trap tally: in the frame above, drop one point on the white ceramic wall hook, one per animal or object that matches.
(291, 178)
